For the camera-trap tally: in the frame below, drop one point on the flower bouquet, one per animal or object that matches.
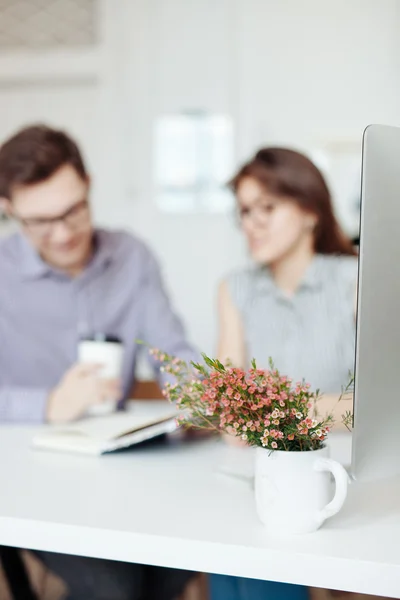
(278, 417)
(263, 408)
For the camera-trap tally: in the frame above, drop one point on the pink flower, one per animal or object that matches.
(274, 445)
(229, 391)
(237, 396)
(290, 436)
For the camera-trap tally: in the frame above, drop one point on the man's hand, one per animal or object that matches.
(80, 388)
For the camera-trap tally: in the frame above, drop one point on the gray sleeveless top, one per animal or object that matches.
(312, 334)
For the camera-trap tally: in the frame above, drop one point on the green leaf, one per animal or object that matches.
(208, 360)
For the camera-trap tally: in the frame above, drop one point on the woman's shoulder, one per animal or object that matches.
(339, 270)
(244, 282)
(339, 263)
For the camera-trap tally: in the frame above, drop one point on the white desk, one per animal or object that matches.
(169, 506)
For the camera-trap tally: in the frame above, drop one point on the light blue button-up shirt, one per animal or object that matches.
(43, 313)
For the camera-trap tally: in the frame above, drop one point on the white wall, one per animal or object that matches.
(289, 72)
(313, 70)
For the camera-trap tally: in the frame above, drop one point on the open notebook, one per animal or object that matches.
(141, 421)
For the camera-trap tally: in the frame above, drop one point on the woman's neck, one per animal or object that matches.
(289, 271)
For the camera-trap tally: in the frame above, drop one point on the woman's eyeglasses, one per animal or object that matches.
(258, 213)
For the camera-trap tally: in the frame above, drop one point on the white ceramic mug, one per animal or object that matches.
(109, 352)
(294, 489)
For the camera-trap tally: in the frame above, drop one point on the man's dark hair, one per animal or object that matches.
(34, 154)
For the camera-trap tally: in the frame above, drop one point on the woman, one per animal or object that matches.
(296, 305)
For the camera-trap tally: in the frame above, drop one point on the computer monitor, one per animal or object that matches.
(376, 434)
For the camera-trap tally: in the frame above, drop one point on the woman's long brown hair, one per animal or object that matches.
(288, 173)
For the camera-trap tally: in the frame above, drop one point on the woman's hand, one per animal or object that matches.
(332, 404)
(234, 440)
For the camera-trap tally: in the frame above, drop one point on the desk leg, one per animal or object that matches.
(16, 575)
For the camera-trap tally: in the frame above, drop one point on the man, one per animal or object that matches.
(60, 279)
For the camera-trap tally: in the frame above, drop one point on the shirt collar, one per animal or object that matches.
(34, 267)
(312, 278)
(104, 250)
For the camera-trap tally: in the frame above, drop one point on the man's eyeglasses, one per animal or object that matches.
(74, 218)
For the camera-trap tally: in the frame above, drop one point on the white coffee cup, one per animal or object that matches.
(107, 351)
(294, 490)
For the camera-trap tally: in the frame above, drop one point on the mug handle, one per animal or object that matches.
(341, 482)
